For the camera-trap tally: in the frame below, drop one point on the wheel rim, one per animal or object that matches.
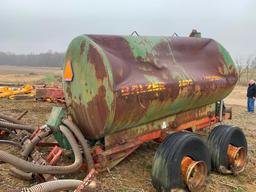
(237, 158)
(194, 173)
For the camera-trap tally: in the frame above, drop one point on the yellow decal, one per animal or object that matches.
(185, 82)
(212, 77)
(140, 88)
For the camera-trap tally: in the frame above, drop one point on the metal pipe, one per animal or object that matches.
(28, 148)
(221, 110)
(22, 115)
(47, 169)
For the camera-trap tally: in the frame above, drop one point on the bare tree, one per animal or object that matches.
(241, 68)
(250, 64)
(246, 68)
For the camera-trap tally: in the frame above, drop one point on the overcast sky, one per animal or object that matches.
(40, 25)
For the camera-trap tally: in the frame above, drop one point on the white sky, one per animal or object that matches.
(40, 25)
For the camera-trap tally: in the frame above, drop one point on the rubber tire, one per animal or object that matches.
(166, 169)
(219, 139)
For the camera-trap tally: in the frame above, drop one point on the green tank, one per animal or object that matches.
(113, 83)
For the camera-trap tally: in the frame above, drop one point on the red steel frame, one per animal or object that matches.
(111, 156)
(116, 150)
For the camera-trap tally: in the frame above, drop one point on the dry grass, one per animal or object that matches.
(15, 74)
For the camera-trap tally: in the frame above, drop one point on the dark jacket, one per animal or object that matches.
(251, 91)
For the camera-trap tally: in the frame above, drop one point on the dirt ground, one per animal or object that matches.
(133, 174)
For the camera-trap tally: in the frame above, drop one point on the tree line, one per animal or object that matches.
(246, 69)
(49, 59)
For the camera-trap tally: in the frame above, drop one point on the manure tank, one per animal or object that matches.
(112, 83)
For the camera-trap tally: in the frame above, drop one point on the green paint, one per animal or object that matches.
(142, 47)
(105, 60)
(108, 84)
(62, 140)
(152, 79)
(85, 85)
(56, 116)
(85, 74)
(227, 58)
(109, 94)
(54, 121)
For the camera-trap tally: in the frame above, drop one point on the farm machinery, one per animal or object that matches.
(123, 91)
(11, 92)
(27, 91)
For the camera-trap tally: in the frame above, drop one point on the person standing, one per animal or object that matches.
(251, 96)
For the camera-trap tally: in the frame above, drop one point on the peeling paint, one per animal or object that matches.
(122, 82)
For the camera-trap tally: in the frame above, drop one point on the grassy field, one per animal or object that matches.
(13, 74)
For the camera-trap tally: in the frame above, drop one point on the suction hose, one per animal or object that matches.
(10, 119)
(82, 141)
(47, 169)
(21, 174)
(51, 186)
(10, 143)
(16, 126)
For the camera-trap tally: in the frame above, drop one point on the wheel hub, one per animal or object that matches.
(194, 173)
(237, 158)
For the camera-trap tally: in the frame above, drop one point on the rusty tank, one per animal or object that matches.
(113, 83)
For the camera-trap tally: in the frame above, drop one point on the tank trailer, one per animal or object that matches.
(123, 91)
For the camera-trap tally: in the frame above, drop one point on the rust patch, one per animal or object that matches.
(92, 119)
(82, 45)
(95, 58)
